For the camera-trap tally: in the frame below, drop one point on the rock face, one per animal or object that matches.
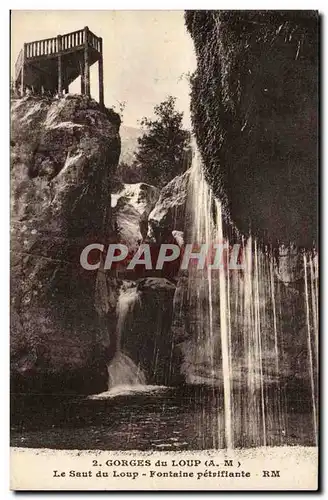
(131, 206)
(254, 110)
(200, 352)
(169, 213)
(147, 338)
(63, 155)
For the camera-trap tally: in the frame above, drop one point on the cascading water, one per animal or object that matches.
(122, 371)
(124, 376)
(311, 332)
(238, 329)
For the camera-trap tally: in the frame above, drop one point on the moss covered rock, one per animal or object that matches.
(254, 110)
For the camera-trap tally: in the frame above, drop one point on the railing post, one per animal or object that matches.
(101, 74)
(82, 76)
(60, 70)
(86, 63)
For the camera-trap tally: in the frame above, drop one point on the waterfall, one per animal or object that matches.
(237, 326)
(121, 370)
(212, 289)
(124, 376)
(309, 338)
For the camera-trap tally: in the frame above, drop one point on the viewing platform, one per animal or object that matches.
(52, 64)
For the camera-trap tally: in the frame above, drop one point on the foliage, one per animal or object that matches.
(164, 148)
(119, 108)
(129, 173)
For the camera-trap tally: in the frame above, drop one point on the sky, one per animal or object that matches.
(146, 54)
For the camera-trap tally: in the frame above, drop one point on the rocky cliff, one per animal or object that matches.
(131, 205)
(147, 337)
(63, 155)
(254, 109)
(170, 214)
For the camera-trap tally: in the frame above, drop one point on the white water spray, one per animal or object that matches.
(236, 318)
(122, 371)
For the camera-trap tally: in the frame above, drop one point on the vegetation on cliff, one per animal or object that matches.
(254, 111)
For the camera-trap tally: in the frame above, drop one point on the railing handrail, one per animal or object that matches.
(54, 38)
(72, 33)
(92, 34)
(50, 46)
(43, 40)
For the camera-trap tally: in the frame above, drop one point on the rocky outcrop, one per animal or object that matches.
(131, 206)
(147, 337)
(169, 213)
(254, 109)
(63, 155)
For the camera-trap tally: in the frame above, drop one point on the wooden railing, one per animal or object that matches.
(52, 46)
(41, 48)
(72, 40)
(94, 41)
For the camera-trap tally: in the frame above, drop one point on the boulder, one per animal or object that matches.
(63, 155)
(170, 213)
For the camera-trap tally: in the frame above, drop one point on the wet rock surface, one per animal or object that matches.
(147, 337)
(284, 338)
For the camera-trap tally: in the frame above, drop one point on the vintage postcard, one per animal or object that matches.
(164, 250)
